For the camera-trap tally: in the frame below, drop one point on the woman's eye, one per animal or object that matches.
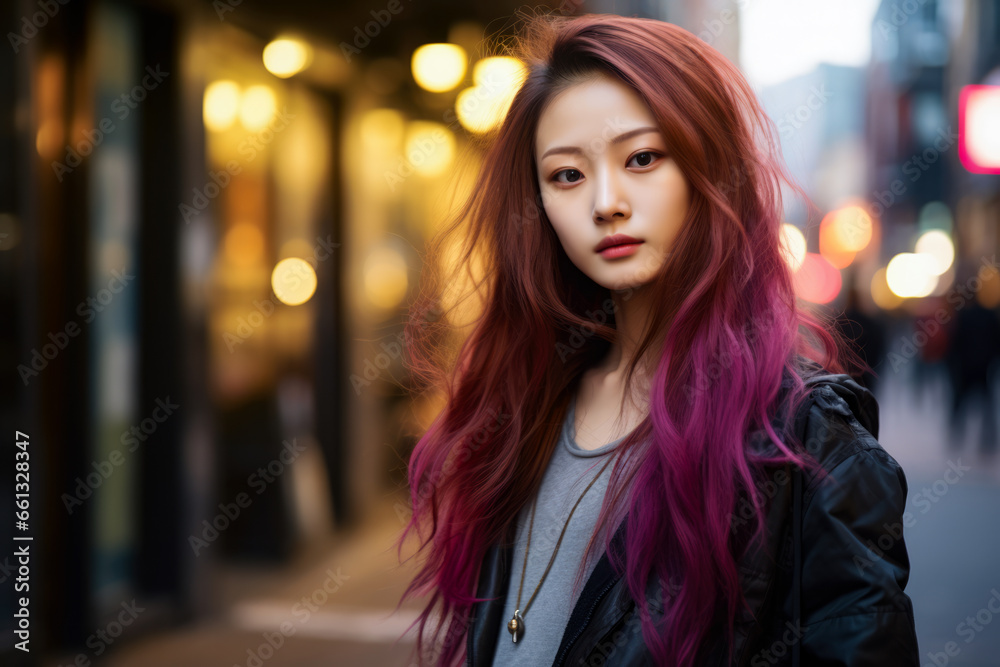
(645, 158)
(572, 176)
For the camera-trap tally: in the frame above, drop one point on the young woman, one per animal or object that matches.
(649, 452)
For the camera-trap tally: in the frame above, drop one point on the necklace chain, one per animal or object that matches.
(516, 624)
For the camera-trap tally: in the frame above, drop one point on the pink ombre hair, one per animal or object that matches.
(507, 378)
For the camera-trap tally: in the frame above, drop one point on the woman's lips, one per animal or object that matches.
(623, 250)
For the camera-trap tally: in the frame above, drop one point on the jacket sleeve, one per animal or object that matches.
(854, 560)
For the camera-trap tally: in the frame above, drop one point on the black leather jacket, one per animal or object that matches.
(845, 582)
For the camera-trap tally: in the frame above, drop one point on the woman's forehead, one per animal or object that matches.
(599, 109)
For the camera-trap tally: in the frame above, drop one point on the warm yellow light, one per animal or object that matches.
(293, 281)
(853, 228)
(221, 105)
(49, 137)
(937, 244)
(911, 274)
(502, 73)
(244, 244)
(385, 277)
(287, 57)
(438, 67)
(430, 147)
(382, 129)
(793, 245)
(257, 107)
(989, 294)
(496, 81)
(881, 294)
(832, 240)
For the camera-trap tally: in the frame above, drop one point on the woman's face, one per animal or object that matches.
(604, 170)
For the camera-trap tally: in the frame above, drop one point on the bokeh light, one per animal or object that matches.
(385, 277)
(293, 281)
(285, 57)
(430, 147)
(438, 67)
(221, 105)
(853, 228)
(257, 107)
(979, 140)
(843, 233)
(881, 294)
(817, 280)
(793, 245)
(495, 82)
(911, 274)
(937, 244)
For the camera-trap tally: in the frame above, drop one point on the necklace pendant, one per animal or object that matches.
(515, 626)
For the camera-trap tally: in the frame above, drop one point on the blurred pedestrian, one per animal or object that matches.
(972, 358)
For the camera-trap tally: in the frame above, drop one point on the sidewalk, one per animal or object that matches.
(952, 528)
(334, 609)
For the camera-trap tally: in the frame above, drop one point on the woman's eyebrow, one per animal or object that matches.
(573, 150)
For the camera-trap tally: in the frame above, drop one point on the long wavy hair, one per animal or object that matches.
(504, 332)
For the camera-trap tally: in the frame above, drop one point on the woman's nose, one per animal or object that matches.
(609, 199)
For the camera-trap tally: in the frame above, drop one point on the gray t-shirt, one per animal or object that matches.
(569, 471)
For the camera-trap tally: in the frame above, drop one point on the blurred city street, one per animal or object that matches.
(953, 542)
(219, 222)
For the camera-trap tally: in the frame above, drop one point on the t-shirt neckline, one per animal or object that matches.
(569, 436)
